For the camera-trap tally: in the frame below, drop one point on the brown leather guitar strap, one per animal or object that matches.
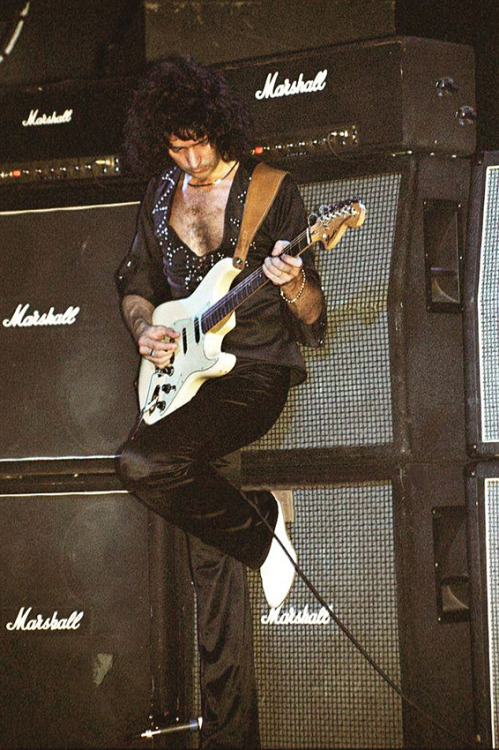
(265, 183)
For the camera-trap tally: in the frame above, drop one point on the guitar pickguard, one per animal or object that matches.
(175, 385)
(198, 356)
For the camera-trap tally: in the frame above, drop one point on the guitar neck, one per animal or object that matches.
(251, 284)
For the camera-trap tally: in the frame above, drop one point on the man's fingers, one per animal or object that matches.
(291, 260)
(282, 269)
(279, 247)
(158, 344)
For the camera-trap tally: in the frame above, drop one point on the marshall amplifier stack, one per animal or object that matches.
(66, 220)
(81, 584)
(373, 446)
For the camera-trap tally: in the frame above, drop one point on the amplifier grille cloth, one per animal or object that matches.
(315, 688)
(70, 386)
(65, 552)
(488, 305)
(492, 553)
(346, 400)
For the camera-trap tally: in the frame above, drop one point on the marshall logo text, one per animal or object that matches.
(24, 621)
(34, 118)
(296, 617)
(23, 319)
(273, 90)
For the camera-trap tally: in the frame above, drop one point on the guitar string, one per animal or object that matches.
(220, 307)
(187, 336)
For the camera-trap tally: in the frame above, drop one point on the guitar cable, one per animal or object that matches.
(351, 637)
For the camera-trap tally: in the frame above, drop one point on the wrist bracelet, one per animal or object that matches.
(300, 290)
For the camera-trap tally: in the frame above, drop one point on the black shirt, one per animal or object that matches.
(161, 267)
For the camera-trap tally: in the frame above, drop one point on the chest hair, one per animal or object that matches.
(198, 216)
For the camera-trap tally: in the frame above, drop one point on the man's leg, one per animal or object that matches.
(171, 465)
(225, 638)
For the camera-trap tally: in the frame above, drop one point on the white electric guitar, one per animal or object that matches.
(204, 318)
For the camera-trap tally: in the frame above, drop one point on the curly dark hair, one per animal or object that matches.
(183, 98)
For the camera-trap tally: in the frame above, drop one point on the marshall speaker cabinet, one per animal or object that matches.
(75, 625)
(385, 382)
(68, 363)
(90, 622)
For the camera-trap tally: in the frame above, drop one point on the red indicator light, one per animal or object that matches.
(258, 150)
(16, 173)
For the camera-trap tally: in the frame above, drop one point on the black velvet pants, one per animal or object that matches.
(172, 466)
(229, 701)
(176, 468)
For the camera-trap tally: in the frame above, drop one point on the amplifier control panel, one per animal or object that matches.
(343, 139)
(51, 170)
(340, 140)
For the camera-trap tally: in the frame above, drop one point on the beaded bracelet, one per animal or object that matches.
(300, 290)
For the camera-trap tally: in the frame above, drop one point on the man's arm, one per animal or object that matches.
(155, 343)
(303, 295)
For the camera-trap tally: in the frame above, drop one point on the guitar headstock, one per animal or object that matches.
(332, 221)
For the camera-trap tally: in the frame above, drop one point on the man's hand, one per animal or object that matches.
(304, 296)
(157, 344)
(282, 269)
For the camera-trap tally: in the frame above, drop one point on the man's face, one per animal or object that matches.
(198, 157)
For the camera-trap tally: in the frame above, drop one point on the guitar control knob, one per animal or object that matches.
(167, 388)
(161, 405)
(169, 370)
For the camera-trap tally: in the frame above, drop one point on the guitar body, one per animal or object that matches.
(198, 356)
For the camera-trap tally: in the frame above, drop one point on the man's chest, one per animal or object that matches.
(198, 217)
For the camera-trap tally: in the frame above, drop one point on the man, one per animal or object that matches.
(187, 127)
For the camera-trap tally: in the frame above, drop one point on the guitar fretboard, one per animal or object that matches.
(255, 281)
